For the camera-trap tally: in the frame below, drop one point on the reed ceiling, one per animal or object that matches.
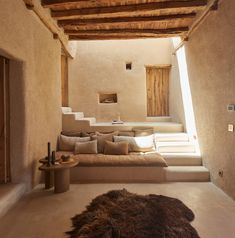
(124, 19)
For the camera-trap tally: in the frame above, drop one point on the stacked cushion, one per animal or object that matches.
(101, 138)
(137, 144)
(67, 143)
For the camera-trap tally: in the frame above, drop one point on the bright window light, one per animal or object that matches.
(186, 93)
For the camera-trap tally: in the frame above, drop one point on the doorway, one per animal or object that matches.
(5, 176)
(157, 84)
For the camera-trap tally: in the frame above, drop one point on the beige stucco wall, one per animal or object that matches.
(34, 87)
(211, 58)
(99, 66)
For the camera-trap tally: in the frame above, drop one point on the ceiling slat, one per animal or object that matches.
(110, 20)
(143, 7)
(128, 30)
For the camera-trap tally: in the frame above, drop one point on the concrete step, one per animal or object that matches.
(9, 195)
(158, 119)
(170, 127)
(182, 159)
(142, 174)
(91, 120)
(66, 109)
(74, 115)
(175, 147)
(187, 174)
(163, 137)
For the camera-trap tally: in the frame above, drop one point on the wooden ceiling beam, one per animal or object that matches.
(143, 7)
(110, 20)
(56, 3)
(119, 37)
(178, 30)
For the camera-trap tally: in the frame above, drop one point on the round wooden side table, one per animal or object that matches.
(61, 174)
(48, 175)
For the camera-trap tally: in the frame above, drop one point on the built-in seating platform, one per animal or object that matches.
(177, 148)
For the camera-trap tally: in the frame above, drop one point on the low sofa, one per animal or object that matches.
(134, 165)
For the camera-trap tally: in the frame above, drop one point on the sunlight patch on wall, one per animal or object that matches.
(186, 93)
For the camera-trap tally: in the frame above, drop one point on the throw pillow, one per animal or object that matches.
(89, 147)
(71, 133)
(101, 138)
(126, 133)
(138, 144)
(67, 143)
(116, 148)
(143, 131)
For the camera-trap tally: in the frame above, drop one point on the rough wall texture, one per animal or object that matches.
(34, 87)
(211, 57)
(99, 67)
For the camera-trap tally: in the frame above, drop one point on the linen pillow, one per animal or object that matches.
(89, 147)
(126, 133)
(143, 131)
(138, 144)
(116, 148)
(67, 143)
(101, 138)
(71, 133)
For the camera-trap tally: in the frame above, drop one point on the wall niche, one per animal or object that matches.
(107, 98)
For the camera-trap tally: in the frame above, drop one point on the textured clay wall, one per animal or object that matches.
(34, 88)
(211, 58)
(99, 66)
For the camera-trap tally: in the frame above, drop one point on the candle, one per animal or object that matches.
(48, 153)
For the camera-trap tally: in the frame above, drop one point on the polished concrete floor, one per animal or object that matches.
(43, 214)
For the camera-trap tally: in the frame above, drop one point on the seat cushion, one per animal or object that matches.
(134, 159)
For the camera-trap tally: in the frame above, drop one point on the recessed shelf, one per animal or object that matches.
(108, 98)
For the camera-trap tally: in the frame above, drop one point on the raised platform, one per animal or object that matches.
(143, 174)
(157, 126)
(9, 195)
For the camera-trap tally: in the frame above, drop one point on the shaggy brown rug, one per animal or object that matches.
(120, 214)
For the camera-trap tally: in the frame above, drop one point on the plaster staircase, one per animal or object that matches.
(178, 149)
(76, 121)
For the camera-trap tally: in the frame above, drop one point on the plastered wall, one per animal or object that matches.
(211, 63)
(100, 67)
(34, 88)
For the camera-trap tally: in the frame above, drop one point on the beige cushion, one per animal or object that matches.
(67, 143)
(139, 144)
(114, 133)
(101, 138)
(126, 133)
(116, 148)
(89, 147)
(143, 131)
(133, 159)
(86, 134)
(71, 133)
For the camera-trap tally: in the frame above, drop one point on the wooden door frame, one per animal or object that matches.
(6, 116)
(64, 81)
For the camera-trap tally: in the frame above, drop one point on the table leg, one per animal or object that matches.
(49, 179)
(62, 180)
